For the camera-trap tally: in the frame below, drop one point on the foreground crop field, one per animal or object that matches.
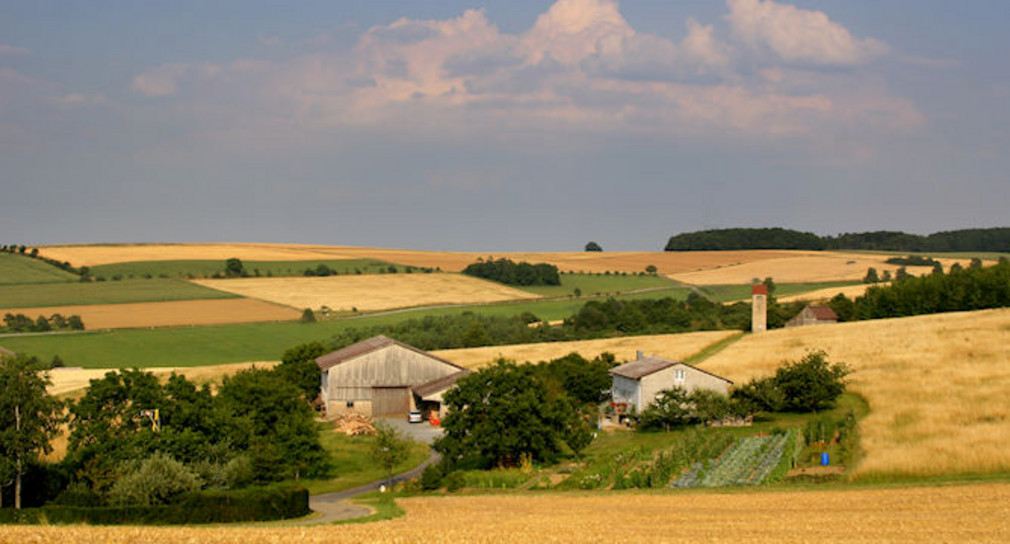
(575, 261)
(671, 346)
(370, 293)
(936, 385)
(802, 267)
(976, 513)
(169, 314)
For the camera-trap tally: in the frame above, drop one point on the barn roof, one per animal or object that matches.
(438, 384)
(375, 343)
(640, 368)
(824, 313)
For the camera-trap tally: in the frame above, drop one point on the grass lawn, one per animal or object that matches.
(730, 293)
(206, 269)
(599, 284)
(352, 462)
(221, 344)
(15, 269)
(106, 292)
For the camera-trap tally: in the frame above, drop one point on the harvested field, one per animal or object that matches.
(72, 380)
(371, 292)
(169, 314)
(670, 346)
(666, 261)
(936, 386)
(94, 255)
(802, 267)
(851, 291)
(975, 513)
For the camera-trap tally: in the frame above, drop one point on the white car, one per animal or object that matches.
(414, 417)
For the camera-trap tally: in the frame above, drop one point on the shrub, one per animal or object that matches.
(156, 480)
(431, 478)
(454, 481)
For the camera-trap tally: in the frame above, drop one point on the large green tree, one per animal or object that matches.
(812, 383)
(298, 366)
(28, 416)
(501, 412)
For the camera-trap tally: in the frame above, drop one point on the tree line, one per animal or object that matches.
(55, 322)
(961, 289)
(990, 239)
(509, 272)
(134, 441)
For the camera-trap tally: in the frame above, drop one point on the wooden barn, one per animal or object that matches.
(637, 383)
(813, 315)
(377, 377)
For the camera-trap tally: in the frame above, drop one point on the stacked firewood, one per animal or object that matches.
(354, 424)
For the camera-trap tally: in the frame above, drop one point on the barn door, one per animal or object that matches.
(390, 401)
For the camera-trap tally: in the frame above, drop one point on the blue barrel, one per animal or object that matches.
(825, 460)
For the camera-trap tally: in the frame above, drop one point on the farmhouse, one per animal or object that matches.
(637, 383)
(383, 377)
(813, 315)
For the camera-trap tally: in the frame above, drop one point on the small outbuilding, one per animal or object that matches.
(382, 377)
(637, 383)
(813, 315)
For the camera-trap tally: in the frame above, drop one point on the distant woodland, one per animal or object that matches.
(992, 239)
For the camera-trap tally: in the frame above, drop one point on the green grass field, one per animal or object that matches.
(18, 269)
(730, 293)
(206, 269)
(603, 284)
(220, 344)
(107, 292)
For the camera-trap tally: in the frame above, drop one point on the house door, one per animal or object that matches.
(390, 401)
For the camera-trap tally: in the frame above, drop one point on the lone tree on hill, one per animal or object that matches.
(593, 246)
(233, 268)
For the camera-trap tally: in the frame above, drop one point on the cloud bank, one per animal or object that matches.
(765, 70)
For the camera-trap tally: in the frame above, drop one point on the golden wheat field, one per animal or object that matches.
(169, 314)
(370, 292)
(938, 386)
(670, 346)
(70, 380)
(970, 513)
(801, 267)
(597, 262)
(850, 291)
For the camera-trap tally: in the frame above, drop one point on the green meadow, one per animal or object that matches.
(18, 269)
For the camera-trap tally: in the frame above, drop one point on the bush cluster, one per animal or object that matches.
(55, 322)
(511, 273)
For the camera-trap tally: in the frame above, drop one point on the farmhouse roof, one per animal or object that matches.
(640, 368)
(438, 384)
(824, 313)
(375, 343)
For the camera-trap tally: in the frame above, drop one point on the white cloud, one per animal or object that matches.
(13, 50)
(798, 35)
(580, 67)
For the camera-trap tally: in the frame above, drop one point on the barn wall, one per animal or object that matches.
(391, 366)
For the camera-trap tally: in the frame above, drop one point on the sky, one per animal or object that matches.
(508, 125)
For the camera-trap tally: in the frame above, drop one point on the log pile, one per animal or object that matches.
(354, 424)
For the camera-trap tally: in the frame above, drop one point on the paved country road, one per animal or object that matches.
(332, 505)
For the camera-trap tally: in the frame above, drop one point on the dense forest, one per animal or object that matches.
(991, 239)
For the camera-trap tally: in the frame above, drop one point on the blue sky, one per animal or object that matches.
(514, 125)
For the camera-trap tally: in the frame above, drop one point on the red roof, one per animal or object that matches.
(824, 313)
(759, 289)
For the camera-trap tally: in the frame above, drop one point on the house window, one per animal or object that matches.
(678, 375)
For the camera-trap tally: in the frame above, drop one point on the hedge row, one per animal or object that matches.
(253, 504)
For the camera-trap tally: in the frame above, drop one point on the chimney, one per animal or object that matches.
(759, 308)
